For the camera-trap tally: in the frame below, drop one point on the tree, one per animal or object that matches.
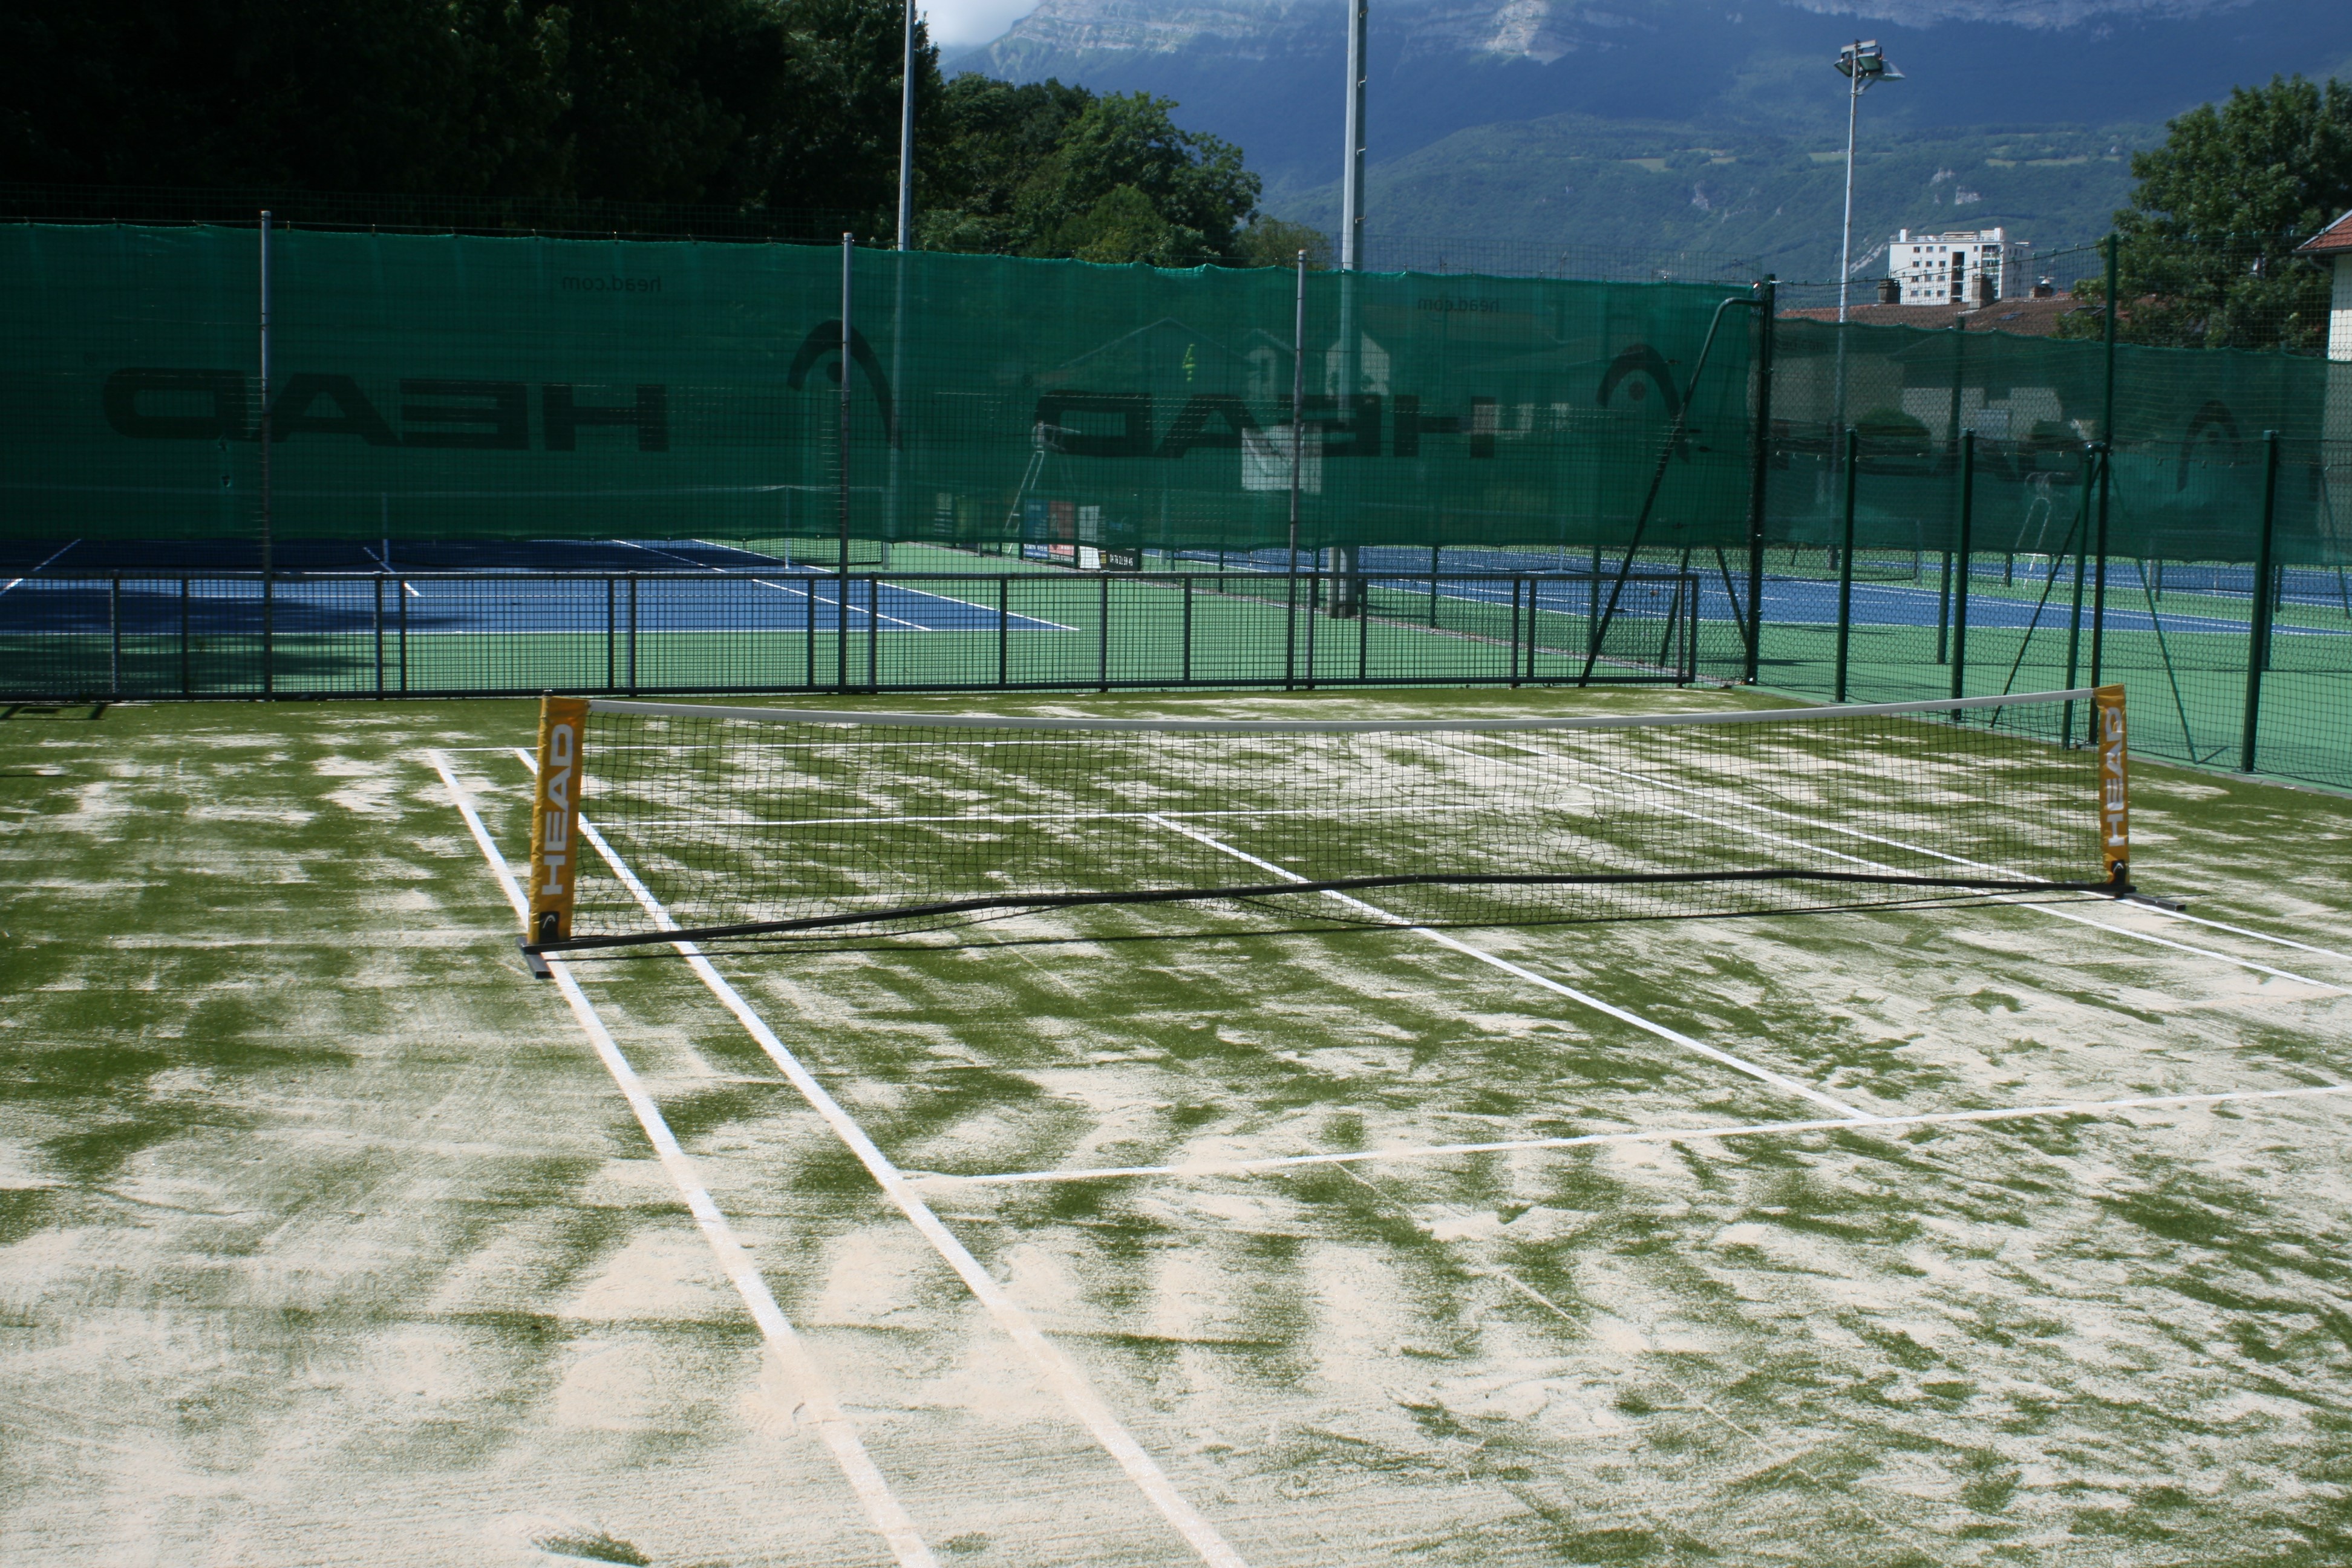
(770, 106)
(1274, 242)
(2207, 245)
(744, 103)
(1044, 168)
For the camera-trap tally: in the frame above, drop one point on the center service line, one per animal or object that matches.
(1740, 1064)
(1059, 1372)
(883, 1509)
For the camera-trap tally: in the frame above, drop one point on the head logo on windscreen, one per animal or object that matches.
(825, 339)
(1641, 381)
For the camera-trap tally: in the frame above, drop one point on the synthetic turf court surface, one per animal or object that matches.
(330, 1237)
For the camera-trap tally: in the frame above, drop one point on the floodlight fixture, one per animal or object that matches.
(1864, 62)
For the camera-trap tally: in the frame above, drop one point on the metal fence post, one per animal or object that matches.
(612, 635)
(2075, 616)
(400, 597)
(1003, 631)
(1363, 629)
(1759, 474)
(2258, 643)
(1845, 563)
(1511, 662)
(1967, 543)
(2099, 584)
(269, 552)
(187, 687)
(377, 624)
(1186, 677)
(114, 635)
(1102, 633)
(632, 634)
(873, 634)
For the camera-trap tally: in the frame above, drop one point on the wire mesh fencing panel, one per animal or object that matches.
(418, 634)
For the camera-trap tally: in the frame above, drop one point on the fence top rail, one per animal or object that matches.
(512, 574)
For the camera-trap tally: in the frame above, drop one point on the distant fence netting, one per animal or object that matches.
(2040, 564)
(451, 387)
(2017, 513)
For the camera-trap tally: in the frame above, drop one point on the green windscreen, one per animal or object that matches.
(440, 388)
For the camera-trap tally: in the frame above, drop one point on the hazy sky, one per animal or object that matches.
(956, 23)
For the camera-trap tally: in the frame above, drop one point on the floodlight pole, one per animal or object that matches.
(907, 135)
(1297, 403)
(841, 581)
(1854, 82)
(1351, 172)
(1861, 63)
(268, 543)
(1351, 258)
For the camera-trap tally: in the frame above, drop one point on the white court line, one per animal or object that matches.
(377, 556)
(1057, 1369)
(1740, 1064)
(814, 1398)
(869, 613)
(1650, 1135)
(2242, 931)
(2019, 901)
(926, 593)
(781, 588)
(52, 556)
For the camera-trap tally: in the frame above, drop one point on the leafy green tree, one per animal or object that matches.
(778, 106)
(1049, 170)
(745, 103)
(1195, 182)
(988, 138)
(2207, 257)
(1274, 242)
(451, 95)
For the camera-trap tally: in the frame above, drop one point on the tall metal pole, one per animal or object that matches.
(1347, 588)
(269, 541)
(2107, 468)
(1845, 561)
(2258, 644)
(1759, 474)
(907, 136)
(1297, 438)
(1351, 172)
(841, 582)
(1967, 543)
(1853, 111)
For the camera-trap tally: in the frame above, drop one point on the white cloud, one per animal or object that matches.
(958, 24)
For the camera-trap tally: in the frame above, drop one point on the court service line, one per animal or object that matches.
(1675, 1036)
(2047, 909)
(903, 588)
(1058, 1370)
(780, 587)
(1646, 1135)
(888, 1516)
(52, 556)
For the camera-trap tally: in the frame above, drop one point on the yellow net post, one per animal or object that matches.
(2115, 786)
(555, 817)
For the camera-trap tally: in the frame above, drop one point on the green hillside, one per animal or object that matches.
(1615, 193)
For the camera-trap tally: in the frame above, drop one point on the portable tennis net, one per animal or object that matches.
(660, 822)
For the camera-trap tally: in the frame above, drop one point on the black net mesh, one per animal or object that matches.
(727, 818)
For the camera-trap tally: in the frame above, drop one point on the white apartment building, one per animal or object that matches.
(1942, 269)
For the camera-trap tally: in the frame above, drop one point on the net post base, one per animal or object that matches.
(531, 956)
